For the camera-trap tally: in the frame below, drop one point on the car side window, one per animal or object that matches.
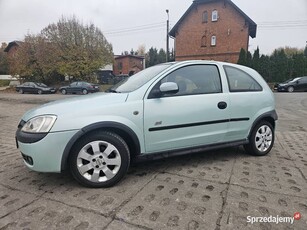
(194, 79)
(73, 84)
(240, 81)
(303, 80)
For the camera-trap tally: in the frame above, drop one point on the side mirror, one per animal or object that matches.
(169, 88)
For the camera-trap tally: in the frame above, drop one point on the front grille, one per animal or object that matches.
(27, 159)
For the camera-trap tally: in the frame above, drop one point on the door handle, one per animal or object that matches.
(222, 105)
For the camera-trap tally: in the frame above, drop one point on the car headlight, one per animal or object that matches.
(40, 124)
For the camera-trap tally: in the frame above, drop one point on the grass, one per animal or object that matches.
(4, 83)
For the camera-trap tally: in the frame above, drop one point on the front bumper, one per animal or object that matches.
(45, 154)
(281, 89)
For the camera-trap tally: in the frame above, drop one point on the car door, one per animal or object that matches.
(301, 84)
(246, 99)
(33, 87)
(72, 87)
(79, 87)
(197, 115)
(304, 83)
(30, 87)
(25, 87)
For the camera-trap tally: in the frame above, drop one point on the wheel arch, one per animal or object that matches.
(270, 117)
(122, 130)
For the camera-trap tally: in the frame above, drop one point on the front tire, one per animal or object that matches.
(99, 160)
(290, 89)
(261, 139)
(63, 91)
(40, 92)
(20, 91)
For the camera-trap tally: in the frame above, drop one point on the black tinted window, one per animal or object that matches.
(240, 81)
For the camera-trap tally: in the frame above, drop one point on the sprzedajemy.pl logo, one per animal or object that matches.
(273, 219)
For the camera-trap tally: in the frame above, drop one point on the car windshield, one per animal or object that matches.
(287, 81)
(139, 79)
(295, 79)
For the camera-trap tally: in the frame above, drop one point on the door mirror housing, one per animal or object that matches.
(169, 88)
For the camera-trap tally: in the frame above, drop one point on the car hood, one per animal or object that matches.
(73, 105)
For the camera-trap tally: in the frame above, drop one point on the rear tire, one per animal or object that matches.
(40, 92)
(84, 91)
(261, 139)
(99, 160)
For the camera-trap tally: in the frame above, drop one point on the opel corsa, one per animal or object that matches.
(165, 110)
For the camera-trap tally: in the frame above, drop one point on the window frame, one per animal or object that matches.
(204, 41)
(238, 91)
(158, 83)
(205, 18)
(213, 38)
(214, 16)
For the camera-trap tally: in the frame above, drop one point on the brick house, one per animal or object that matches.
(128, 64)
(212, 30)
(12, 48)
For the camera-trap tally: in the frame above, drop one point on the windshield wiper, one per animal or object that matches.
(112, 91)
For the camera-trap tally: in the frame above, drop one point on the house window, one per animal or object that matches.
(205, 17)
(204, 41)
(120, 65)
(214, 15)
(213, 40)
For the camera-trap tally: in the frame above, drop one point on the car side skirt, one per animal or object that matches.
(184, 151)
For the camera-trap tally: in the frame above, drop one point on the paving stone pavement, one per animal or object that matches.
(210, 190)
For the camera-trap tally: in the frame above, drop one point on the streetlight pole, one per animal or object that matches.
(167, 36)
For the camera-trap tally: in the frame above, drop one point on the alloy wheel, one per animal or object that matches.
(98, 161)
(263, 138)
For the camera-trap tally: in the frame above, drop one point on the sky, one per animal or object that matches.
(128, 24)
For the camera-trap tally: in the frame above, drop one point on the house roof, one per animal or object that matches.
(130, 56)
(251, 23)
(11, 44)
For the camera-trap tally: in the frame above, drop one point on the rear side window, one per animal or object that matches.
(240, 81)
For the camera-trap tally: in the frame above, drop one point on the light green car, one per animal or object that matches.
(169, 109)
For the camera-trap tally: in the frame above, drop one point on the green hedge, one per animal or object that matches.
(4, 83)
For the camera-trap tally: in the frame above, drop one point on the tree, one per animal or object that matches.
(290, 51)
(305, 51)
(82, 49)
(64, 48)
(161, 56)
(4, 68)
(242, 57)
(152, 57)
(141, 50)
